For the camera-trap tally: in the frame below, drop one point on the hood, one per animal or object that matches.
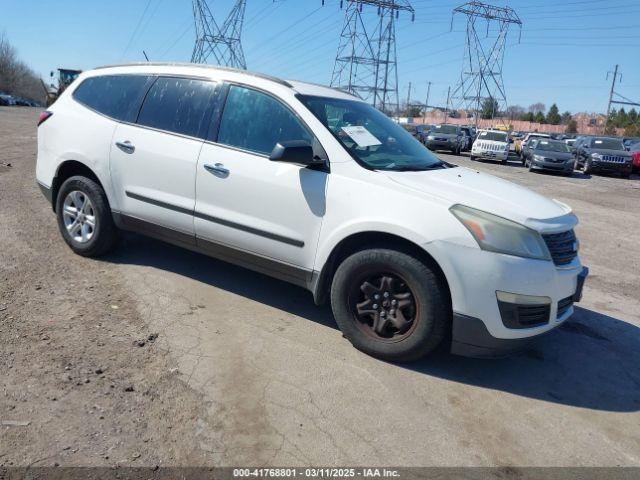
(490, 194)
(554, 155)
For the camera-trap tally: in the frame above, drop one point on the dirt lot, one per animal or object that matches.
(158, 356)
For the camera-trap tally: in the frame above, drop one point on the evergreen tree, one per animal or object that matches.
(553, 117)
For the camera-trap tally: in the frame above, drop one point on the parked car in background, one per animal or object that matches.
(628, 141)
(445, 137)
(570, 142)
(519, 146)
(548, 154)
(422, 132)
(467, 138)
(491, 145)
(604, 154)
(7, 100)
(450, 257)
(635, 154)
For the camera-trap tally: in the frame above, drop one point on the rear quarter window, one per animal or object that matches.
(117, 96)
(179, 105)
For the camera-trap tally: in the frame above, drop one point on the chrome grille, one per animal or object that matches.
(562, 246)
(613, 159)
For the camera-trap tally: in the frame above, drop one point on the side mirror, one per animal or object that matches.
(294, 151)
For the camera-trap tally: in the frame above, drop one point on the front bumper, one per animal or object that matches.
(490, 155)
(563, 167)
(611, 167)
(471, 338)
(476, 276)
(441, 145)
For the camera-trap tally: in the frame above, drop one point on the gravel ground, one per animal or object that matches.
(159, 356)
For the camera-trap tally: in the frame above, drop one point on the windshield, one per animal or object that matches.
(372, 138)
(446, 129)
(607, 144)
(494, 136)
(551, 146)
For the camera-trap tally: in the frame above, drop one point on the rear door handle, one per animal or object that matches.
(126, 147)
(217, 169)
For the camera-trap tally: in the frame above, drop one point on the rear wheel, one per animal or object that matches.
(84, 217)
(473, 158)
(390, 305)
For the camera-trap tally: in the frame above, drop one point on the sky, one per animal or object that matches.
(562, 54)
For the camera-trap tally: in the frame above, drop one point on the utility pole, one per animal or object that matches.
(366, 61)
(409, 97)
(613, 86)
(221, 42)
(426, 103)
(446, 110)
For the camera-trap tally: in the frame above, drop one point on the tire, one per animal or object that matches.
(87, 240)
(427, 316)
(473, 158)
(587, 168)
(456, 151)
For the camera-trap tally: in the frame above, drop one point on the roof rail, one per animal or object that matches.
(199, 65)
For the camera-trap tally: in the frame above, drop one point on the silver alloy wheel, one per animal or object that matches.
(79, 217)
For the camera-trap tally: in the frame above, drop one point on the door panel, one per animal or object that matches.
(153, 163)
(263, 207)
(156, 181)
(246, 201)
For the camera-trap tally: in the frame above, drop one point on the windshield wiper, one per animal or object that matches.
(437, 166)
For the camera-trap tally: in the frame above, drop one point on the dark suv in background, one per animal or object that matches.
(603, 154)
(446, 137)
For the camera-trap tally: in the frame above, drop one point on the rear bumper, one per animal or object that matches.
(47, 192)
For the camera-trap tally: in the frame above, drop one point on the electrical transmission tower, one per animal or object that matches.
(615, 97)
(223, 43)
(366, 62)
(481, 76)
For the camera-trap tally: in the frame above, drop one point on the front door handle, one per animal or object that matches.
(217, 169)
(126, 147)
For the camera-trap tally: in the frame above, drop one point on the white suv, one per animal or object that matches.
(491, 145)
(312, 186)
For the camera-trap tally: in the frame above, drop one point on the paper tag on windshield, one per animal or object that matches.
(361, 136)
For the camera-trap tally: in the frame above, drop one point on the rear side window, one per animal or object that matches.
(256, 122)
(179, 105)
(117, 96)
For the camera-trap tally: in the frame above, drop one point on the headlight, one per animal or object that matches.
(539, 158)
(497, 234)
(597, 156)
(430, 137)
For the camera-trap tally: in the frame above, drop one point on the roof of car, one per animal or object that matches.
(304, 88)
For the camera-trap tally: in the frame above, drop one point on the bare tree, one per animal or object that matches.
(537, 108)
(514, 111)
(16, 78)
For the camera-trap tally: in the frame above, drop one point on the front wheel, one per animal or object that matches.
(84, 217)
(390, 305)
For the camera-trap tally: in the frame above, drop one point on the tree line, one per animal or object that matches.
(16, 78)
